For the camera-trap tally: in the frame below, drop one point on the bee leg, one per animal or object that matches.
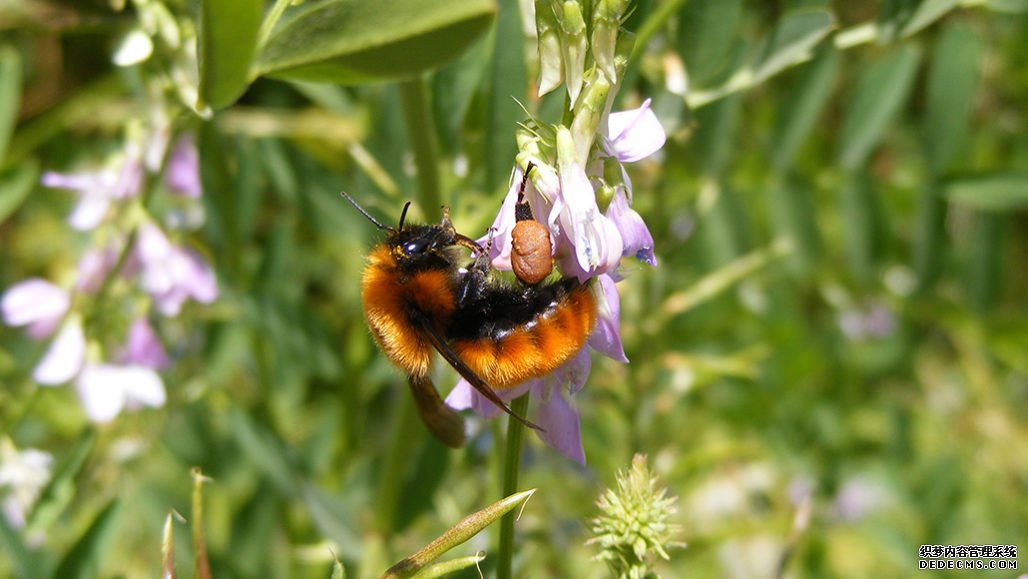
(442, 421)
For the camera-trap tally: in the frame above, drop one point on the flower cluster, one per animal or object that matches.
(132, 247)
(579, 189)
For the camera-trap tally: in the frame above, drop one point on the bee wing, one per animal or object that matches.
(444, 349)
(443, 421)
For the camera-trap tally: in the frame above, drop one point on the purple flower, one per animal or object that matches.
(556, 413)
(36, 304)
(183, 172)
(638, 242)
(143, 348)
(634, 134)
(93, 269)
(170, 273)
(97, 189)
(587, 243)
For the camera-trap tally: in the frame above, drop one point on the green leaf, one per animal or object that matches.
(17, 552)
(800, 112)
(880, 93)
(507, 82)
(334, 520)
(453, 87)
(354, 41)
(15, 185)
(263, 451)
(928, 12)
(950, 89)
(706, 31)
(84, 558)
(791, 41)
(61, 489)
(465, 529)
(227, 40)
(984, 272)
(10, 97)
(992, 192)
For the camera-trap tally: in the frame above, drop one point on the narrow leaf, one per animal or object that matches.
(706, 31)
(353, 41)
(227, 40)
(800, 112)
(792, 40)
(953, 80)
(928, 12)
(15, 185)
(444, 568)
(880, 94)
(61, 489)
(84, 558)
(10, 97)
(506, 83)
(992, 192)
(16, 550)
(984, 272)
(466, 528)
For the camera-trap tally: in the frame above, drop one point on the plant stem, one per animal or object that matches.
(421, 132)
(512, 460)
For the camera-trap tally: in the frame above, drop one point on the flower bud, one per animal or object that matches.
(574, 45)
(606, 20)
(588, 113)
(551, 58)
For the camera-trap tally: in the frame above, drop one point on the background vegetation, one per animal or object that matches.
(838, 322)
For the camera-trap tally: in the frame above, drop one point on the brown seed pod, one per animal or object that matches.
(530, 256)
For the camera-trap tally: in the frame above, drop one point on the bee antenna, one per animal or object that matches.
(362, 211)
(403, 215)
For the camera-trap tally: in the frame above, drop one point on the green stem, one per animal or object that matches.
(512, 460)
(393, 473)
(421, 132)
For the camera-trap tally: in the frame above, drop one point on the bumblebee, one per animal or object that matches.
(421, 295)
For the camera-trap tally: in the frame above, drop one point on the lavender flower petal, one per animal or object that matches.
(183, 173)
(606, 338)
(64, 358)
(34, 301)
(634, 134)
(143, 348)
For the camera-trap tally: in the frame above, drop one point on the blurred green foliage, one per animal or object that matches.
(838, 319)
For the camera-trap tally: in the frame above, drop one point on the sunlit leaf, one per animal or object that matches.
(227, 41)
(992, 192)
(792, 40)
(463, 530)
(352, 41)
